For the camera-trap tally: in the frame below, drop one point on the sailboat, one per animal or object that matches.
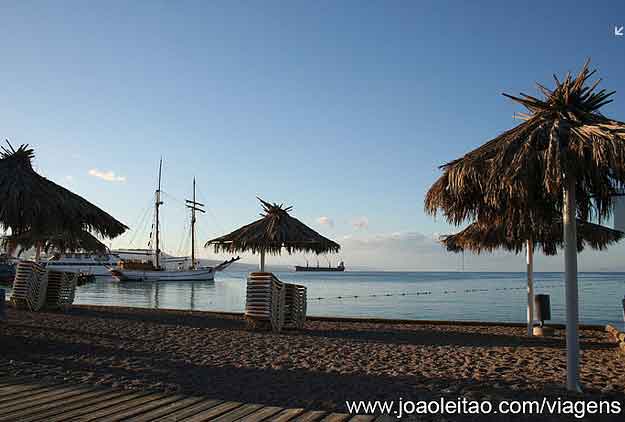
(140, 270)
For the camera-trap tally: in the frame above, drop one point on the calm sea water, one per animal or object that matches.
(441, 296)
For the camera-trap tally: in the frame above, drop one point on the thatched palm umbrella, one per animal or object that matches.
(566, 156)
(56, 242)
(276, 230)
(478, 237)
(31, 203)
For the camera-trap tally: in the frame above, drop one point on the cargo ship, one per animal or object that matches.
(339, 268)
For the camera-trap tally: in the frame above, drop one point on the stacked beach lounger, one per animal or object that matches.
(61, 289)
(270, 302)
(35, 287)
(294, 306)
(29, 286)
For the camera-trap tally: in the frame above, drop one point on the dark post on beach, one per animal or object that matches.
(3, 314)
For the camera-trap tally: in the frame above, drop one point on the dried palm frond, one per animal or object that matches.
(479, 237)
(55, 242)
(31, 203)
(519, 176)
(274, 231)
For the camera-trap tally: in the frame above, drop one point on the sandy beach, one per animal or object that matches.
(320, 367)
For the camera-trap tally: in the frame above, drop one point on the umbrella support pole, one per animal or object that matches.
(530, 287)
(262, 261)
(570, 280)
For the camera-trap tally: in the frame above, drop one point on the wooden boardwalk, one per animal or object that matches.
(26, 400)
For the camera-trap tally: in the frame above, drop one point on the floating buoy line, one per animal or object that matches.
(429, 292)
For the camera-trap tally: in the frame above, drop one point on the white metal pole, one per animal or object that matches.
(530, 286)
(570, 280)
(262, 261)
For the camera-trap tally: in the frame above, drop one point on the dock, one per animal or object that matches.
(29, 400)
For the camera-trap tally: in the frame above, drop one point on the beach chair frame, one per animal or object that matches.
(295, 306)
(264, 304)
(61, 289)
(29, 286)
(36, 287)
(272, 303)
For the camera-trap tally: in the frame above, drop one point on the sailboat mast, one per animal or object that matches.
(157, 204)
(193, 229)
(195, 206)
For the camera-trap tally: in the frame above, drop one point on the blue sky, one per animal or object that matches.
(343, 109)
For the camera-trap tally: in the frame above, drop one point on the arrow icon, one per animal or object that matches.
(618, 32)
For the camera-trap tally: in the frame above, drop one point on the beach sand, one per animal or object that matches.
(320, 367)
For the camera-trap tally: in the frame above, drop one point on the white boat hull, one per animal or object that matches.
(201, 274)
(96, 269)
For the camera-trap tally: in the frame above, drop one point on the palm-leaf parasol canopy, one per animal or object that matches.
(56, 242)
(566, 157)
(514, 175)
(478, 237)
(31, 203)
(276, 230)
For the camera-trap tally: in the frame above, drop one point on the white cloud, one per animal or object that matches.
(395, 251)
(410, 241)
(69, 179)
(108, 176)
(413, 251)
(325, 221)
(360, 222)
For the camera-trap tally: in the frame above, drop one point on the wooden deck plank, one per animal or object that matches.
(65, 416)
(194, 409)
(36, 399)
(27, 390)
(8, 412)
(80, 402)
(26, 400)
(50, 404)
(238, 413)
(262, 414)
(210, 414)
(287, 415)
(167, 409)
(129, 414)
(336, 417)
(311, 416)
(110, 410)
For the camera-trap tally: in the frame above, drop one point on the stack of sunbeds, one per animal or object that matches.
(61, 289)
(29, 286)
(35, 287)
(294, 305)
(272, 303)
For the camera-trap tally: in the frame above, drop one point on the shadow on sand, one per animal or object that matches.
(279, 387)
